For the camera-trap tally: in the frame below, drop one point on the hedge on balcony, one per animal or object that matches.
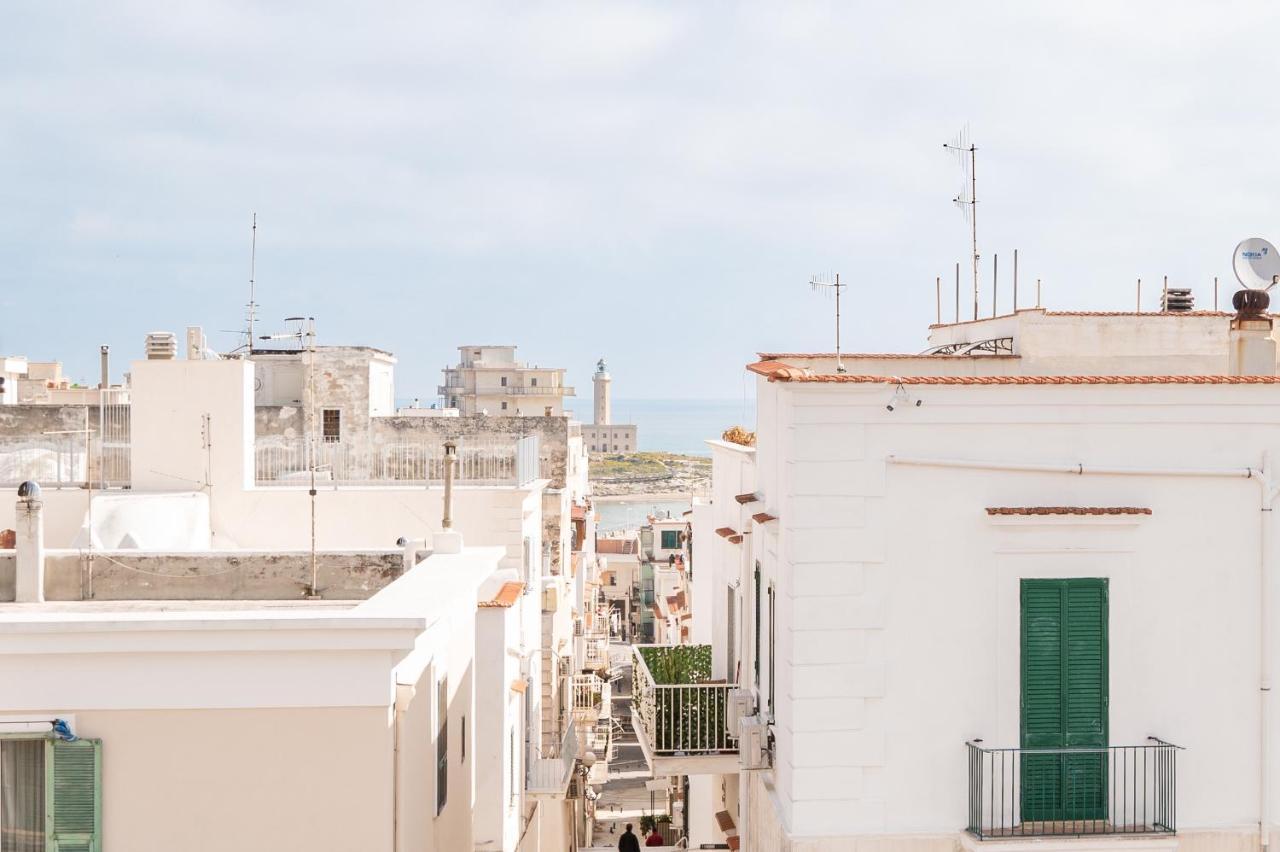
(676, 664)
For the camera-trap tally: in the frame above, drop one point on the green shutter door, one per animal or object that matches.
(1064, 698)
(73, 796)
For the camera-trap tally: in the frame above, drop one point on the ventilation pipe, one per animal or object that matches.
(448, 540)
(104, 354)
(29, 543)
(1253, 350)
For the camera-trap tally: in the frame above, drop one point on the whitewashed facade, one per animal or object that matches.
(900, 512)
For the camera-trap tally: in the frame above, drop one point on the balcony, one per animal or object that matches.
(590, 697)
(1072, 792)
(550, 774)
(681, 716)
(594, 651)
(528, 390)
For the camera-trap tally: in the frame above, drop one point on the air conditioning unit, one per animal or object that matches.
(754, 751)
(742, 705)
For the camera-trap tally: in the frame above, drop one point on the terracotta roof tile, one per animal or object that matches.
(763, 517)
(853, 356)
(519, 686)
(1067, 510)
(848, 378)
(725, 532)
(774, 370)
(506, 596)
(744, 499)
(735, 539)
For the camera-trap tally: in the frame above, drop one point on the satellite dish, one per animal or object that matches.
(1256, 264)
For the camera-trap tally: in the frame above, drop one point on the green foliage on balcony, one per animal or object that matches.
(678, 664)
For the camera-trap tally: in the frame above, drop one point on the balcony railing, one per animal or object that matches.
(529, 390)
(551, 774)
(680, 711)
(589, 695)
(1073, 792)
(479, 462)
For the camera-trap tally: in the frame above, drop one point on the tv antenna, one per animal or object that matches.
(967, 200)
(253, 260)
(823, 285)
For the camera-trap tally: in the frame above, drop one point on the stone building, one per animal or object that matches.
(489, 380)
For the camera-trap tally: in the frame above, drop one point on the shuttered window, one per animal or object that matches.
(1064, 698)
(50, 795)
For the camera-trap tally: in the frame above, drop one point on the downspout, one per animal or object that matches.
(403, 695)
(1269, 492)
(1264, 679)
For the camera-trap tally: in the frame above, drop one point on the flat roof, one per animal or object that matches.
(152, 606)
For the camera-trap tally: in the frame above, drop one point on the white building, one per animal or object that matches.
(1046, 536)
(489, 380)
(603, 435)
(216, 513)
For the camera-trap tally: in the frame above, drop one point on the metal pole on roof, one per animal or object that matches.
(1215, 292)
(937, 288)
(995, 283)
(1015, 281)
(957, 292)
(1139, 295)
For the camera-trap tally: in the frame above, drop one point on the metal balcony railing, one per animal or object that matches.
(479, 462)
(529, 390)
(1073, 792)
(678, 710)
(551, 773)
(590, 695)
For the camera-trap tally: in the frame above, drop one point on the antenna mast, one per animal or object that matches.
(820, 284)
(967, 154)
(253, 260)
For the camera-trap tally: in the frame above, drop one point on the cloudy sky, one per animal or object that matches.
(653, 182)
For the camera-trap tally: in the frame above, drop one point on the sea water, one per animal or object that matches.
(675, 425)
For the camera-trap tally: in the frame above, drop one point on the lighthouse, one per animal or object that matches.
(601, 382)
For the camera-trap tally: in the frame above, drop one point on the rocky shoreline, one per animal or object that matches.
(620, 474)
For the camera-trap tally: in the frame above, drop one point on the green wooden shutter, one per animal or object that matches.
(1064, 698)
(73, 796)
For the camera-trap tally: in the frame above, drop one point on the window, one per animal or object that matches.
(773, 677)
(442, 745)
(755, 602)
(504, 381)
(615, 448)
(331, 424)
(671, 539)
(69, 772)
(533, 383)
(504, 406)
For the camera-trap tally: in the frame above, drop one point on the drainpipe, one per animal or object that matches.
(403, 695)
(1264, 680)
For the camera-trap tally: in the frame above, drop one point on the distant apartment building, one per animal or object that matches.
(489, 380)
(603, 435)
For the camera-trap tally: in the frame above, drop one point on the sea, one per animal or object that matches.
(675, 425)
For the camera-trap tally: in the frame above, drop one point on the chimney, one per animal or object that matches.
(1253, 350)
(161, 346)
(104, 353)
(448, 540)
(1177, 300)
(29, 543)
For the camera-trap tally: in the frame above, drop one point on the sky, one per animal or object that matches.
(650, 183)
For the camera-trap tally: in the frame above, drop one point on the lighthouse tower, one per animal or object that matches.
(601, 381)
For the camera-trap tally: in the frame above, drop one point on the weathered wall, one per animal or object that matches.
(129, 575)
(287, 422)
(26, 429)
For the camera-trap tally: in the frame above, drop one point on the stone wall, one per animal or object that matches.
(246, 575)
(28, 450)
